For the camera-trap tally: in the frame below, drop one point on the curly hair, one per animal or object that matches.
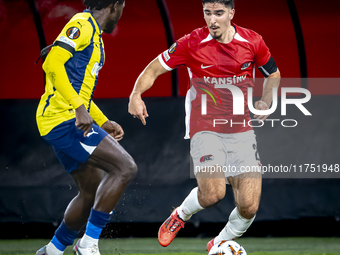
(100, 4)
(227, 3)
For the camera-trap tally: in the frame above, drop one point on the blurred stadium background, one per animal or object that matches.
(303, 36)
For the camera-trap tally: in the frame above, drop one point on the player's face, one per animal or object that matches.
(115, 16)
(218, 17)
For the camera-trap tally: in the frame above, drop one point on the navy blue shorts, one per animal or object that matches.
(70, 145)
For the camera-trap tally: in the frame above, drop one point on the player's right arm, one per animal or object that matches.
(166, 61)
(145, 81)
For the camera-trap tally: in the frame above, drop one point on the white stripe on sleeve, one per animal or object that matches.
(163, 63)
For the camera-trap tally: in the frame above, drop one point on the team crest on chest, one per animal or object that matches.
(245, 65)
(73, 33)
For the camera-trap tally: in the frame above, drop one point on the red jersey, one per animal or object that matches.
(213, 65)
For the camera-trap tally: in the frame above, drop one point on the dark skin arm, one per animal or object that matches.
(84, 122)
(114, 129)
(83, 119)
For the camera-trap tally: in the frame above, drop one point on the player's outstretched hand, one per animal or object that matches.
(114, 129)
(83, 120)
(261, 105)
(137, 108)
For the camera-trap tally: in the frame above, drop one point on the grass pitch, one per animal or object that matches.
(190, 246)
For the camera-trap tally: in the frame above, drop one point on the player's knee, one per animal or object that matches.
(249, 211)
(210, 198)
(130, 169)
(213, 199)
(220, 195)
(133, 169)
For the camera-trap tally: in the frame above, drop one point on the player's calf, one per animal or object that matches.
(78, 211)
(87, 179)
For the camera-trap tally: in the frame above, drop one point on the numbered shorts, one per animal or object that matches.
(70, 145)
(235, 154)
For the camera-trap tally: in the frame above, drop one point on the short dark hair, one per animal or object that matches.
(227, 3)
(100, 4)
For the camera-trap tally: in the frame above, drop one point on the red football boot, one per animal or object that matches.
(169, 229)
(210, 244)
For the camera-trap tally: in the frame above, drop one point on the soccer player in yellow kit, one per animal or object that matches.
(66, 114)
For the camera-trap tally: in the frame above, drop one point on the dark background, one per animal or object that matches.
(303, 38)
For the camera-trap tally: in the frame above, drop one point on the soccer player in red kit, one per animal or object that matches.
(220, 58)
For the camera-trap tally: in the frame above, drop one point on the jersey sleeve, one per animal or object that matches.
(54, 67)
(262, 53)
(75, 36)
(176, 55)
(97, 115)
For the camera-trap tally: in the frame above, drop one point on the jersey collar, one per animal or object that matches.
(209, 37)
(88, 11)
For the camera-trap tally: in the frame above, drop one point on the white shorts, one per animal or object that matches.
(234, 154)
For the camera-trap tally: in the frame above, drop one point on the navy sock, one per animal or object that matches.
(63, 237)
(58, 244)
(96, 222)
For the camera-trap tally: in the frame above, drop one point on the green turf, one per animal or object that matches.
(190, 246)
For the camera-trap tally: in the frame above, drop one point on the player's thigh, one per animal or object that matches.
(247, 189)
(208, 155)
(111, 156)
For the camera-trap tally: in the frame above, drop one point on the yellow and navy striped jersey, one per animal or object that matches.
(72, 68)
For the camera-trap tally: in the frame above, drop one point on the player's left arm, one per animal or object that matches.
(270, 82)
(267, 66)
(111, 127)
